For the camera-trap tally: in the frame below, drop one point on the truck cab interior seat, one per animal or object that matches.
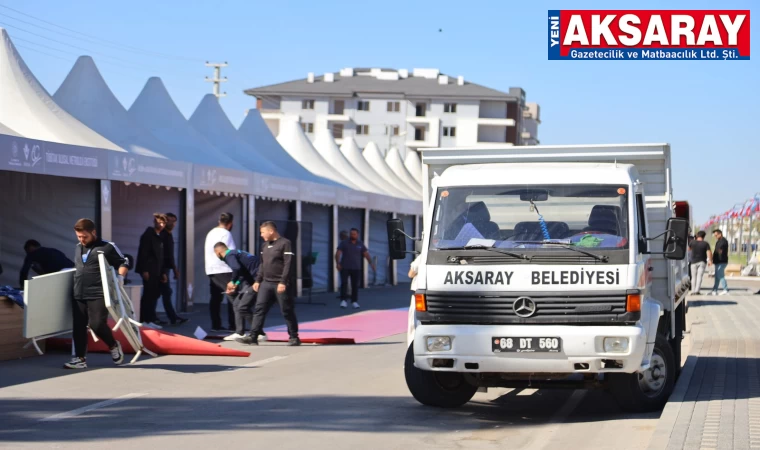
(605, 219)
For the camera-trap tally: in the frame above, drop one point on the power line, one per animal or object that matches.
(103, 41)
(43, 53)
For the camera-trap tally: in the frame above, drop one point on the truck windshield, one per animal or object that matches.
(550, 217)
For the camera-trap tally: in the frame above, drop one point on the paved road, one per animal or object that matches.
(315, 397)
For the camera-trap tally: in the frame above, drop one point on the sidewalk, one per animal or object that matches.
(716, 402)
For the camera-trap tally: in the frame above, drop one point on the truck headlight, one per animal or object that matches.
(438, 343)
(616, 344)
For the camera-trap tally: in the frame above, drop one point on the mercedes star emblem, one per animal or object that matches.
(524, 307)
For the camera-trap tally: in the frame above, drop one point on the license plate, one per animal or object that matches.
(526, 344)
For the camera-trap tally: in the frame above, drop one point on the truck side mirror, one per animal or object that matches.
(396, 239)
(676, 238)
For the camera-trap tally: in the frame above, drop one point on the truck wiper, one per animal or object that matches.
(490, 249)
(602, 258)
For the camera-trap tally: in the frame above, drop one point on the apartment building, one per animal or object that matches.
(400, 108)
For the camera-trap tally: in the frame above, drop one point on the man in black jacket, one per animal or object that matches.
(89, 306)
(170, 264)
(245, 268)
(274, 283)
(151, 267)
(42, 260)
(720, 260)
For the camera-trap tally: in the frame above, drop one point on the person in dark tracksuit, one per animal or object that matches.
(245, 267)
(150, 265)
(89, 306)
(274, 283)
(348, 262)
(42, 260)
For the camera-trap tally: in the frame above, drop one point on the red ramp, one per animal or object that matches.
(351, 329)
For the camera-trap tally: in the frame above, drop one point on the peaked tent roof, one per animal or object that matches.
(28, 108)
(211, 121)
(393, 159)
(414, 165)
(295, 142)
(372, 155)
(155, 110)
(85, 95)
(326, 146)
(353, 154)
(255, 132)
(7, 131)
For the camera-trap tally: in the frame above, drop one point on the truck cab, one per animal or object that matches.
(547, 266)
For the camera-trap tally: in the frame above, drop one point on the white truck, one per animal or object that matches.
(547, 266)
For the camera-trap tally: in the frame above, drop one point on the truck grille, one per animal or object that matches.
(499, 308)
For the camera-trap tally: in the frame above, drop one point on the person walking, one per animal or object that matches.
(170, 264)
(245, 267)
(88, 303)
(42, 260)
(701, 257)
(219, 273)
(720, 259)
(348, 261)
(274, 283)
(150, 265)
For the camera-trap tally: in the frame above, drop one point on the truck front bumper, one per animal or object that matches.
(582, 349)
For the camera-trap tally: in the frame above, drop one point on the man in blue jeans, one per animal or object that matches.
(170, 265)
(720, 259)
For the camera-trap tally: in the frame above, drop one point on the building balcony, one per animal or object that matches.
(421, 119)
(526, 135)
(338, 118)
(271, 114)
(496, 122)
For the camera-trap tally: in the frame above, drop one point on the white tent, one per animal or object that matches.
(256, 133)
(373, 157)
(393, 159)
(329, 150)
(211, 121)
(155, 110)
(295, 142)
(353, 154)
(7, 131)
(414, 165)
(27, 108)
(85, 95)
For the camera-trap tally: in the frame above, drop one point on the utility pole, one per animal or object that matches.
(217, 77)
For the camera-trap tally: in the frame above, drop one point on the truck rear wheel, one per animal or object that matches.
(649, 390)
(440, 389)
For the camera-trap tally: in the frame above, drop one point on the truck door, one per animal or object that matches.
(643, 259)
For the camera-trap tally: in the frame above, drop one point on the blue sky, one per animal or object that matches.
(707, 111)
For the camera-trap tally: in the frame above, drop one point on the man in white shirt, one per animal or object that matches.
(219, 273)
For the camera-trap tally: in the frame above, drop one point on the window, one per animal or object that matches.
(394, 130)
(339, 106)
(450, 131)
(362, 129)
(419, 134)
(420, 109)
(307, 104)
(394, 106)
(308, 127)
(362, 105)
(337, 131)
(449, 107)
(643, 244)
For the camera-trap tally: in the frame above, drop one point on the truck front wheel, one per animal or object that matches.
(440, 389)
(649, 390)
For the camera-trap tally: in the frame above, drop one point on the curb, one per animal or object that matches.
(667, 422)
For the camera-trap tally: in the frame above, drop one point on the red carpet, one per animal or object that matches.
(158, 341)
(351, 329)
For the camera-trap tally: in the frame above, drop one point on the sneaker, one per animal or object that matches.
(247, 340)
(724, 293)
(292, 342)
(180, 320)
(343, 304)
(713, 292)
(232, 337)
(153, 325)
(117, 354)
(76, 363)
(355, 305)
(262, 337)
